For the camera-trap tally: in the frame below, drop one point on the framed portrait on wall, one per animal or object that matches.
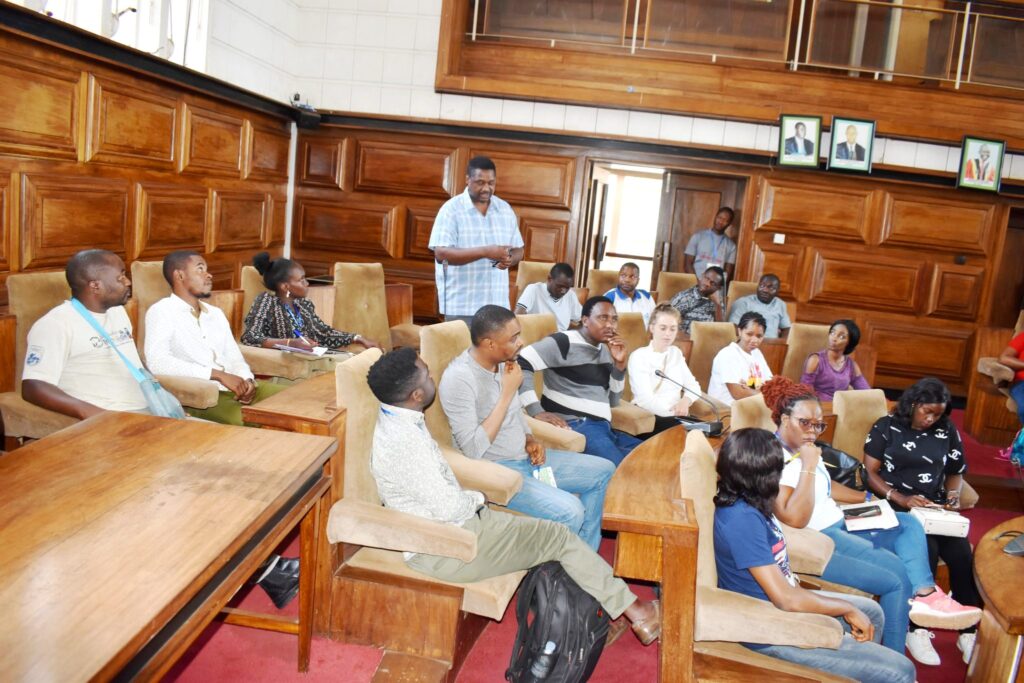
(799, 140)
(981, 163)
(852, 143)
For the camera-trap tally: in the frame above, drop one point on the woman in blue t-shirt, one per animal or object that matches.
(751, 558)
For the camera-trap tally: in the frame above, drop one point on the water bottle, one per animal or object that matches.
(544, 662)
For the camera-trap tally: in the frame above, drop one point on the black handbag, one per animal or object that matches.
(843, 468)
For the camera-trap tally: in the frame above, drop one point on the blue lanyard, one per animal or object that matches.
(721, 241)
(296, 317)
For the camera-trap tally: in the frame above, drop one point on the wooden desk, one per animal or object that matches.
(123, 536)
(1000, 577)
(658, 540)
(310, 407)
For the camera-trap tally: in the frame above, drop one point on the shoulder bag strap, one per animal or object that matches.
(84, 312)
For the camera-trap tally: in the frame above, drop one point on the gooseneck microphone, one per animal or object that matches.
(709, 428)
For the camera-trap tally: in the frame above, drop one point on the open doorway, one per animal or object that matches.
(1009, 284)
(647, 214)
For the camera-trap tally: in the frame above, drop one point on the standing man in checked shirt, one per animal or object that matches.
(475, 241)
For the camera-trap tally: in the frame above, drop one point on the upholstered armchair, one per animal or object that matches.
(600, 281)
(670, 284)
(149, 286)
(528, 272)
(708, 339)
(439, 345)
(729, 617)
(374, 598)
(31, 295)
(751, 412)
(804, 339)
(740, 288)
(362, 302)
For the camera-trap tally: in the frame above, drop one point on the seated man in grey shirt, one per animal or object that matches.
(413, 477)
(479, 394)
(766, 302)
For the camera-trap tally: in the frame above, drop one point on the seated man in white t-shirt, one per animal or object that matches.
(556, 296)
(68, 368)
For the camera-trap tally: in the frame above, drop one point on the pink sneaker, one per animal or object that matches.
(938, 610)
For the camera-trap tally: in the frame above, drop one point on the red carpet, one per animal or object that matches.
(235, 653)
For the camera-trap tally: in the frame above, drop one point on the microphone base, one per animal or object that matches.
(713, 428)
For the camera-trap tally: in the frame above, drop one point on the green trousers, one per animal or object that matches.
(508, 543)
(228, 410)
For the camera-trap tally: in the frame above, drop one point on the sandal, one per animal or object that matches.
(649, 630)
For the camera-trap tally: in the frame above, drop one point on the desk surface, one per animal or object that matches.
(1001, 577)
(108, 528)
(313, 400)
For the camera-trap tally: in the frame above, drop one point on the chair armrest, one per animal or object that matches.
(497, 483)
(398, 301)
(632, 419)
(190, 391)
(991, 367)
(809, 550)
(274, 363)
(968, 496)
(375, 526)
(732, 617)
(556, 437)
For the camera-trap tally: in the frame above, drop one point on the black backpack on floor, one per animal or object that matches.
(552, 608)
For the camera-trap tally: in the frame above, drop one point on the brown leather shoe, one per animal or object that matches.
(615, 631)
(649, 630)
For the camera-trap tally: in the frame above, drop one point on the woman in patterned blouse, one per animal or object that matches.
(285, 317)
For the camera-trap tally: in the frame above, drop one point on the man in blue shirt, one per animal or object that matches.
(475, 241)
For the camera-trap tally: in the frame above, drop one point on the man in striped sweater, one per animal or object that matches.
(584, 374)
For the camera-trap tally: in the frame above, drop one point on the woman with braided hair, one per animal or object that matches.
(890, 563)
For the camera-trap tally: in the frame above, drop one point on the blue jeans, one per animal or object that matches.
(1017, 393)
(602, 440)
(857, 563)
(908, 542)
(867, 662)
(575, 473)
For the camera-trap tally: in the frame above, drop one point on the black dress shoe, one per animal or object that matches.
(289, 564)
(281, 585)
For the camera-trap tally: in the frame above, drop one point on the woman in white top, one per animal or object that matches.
(655, 394)
(740, 369)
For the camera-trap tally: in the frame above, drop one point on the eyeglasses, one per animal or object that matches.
(806, 424)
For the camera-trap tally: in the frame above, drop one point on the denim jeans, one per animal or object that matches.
(857, 563)
(908, 542)
(1017, 393)
(575, 473)
(867, 662)
(602, 440)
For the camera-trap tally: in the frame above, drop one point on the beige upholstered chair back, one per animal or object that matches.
(633, 332)
(670, 284)
(739, 289)
(708, 339)
(30, 296)
(536, 326)
(530, 272)
(148, 287)
(363, 309)
(362, 407)
(252, 287)
(600, 281)
(698, 481)
(752, 412)
(439, 344)
(855, 412)
(804, 339)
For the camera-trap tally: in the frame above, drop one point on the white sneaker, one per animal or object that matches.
(919, 642)
(965, 641)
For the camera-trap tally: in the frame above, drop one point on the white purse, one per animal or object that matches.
(939, 522)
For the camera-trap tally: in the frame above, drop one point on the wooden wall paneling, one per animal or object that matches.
(531, 177)
(836, 212)
(62, 214)
(225, 272)
(362, 228)
(847, 278)
(42, 104)
(419, 222)
(212, 142)
(936, 223)
(545, 233)
(240, 219)
(268, 153)
(320, 161)
(6, 210)
(169, 217)
(276, 233)
(908, 351)
(128, 123)
(407, 169)
(783, 260)
(955, 291)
